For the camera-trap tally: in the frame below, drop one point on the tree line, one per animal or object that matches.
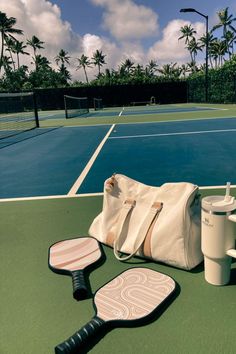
(17, 77)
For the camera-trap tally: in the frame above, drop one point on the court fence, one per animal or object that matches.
(116, 95)
(220, 90)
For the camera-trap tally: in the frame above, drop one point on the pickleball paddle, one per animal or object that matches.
(129, 299)
(75, 257)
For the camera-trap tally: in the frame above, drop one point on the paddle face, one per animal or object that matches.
(74, 257)
(75, 254)
(133, 295)
(128, 299)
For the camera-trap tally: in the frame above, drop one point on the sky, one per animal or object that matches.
(135, 29)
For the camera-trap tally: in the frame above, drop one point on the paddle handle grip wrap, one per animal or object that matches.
(80, 290)
(73, 344)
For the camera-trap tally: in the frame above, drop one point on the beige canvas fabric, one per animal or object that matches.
(161, 223)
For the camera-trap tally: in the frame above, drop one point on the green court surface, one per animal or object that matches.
(37, 310)
(111, 115)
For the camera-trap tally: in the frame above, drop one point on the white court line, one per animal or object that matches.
(232, 186)
(48, 197)
(121, 111)
(85, 171)
(214, 108)
(89, 195)
(216, 187)
(45, 197)
(172, 134)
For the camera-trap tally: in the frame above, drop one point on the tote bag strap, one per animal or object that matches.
(153, 211)
(128, 205)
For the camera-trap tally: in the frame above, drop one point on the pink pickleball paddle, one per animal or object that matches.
(129, 299)
(75, 257)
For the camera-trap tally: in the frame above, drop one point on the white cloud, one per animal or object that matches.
(39, 17)
(42, 19)
(126, 20)
(133, 51)
(169, 48)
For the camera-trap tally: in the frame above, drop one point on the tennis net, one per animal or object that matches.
(18, 113)
(97, 103)
(75, 106)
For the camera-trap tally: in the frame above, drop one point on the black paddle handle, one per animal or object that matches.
(80, 289)
(73, 344)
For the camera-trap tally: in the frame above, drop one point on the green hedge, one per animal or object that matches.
(221, 84)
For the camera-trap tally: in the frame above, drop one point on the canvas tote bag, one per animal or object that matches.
(161, 223)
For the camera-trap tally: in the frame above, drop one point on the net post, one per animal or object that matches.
(36, 110)
(66, 114)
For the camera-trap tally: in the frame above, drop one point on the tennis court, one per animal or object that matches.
(51, 186)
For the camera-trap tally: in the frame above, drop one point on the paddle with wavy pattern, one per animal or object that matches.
(75, 257)
(129, 299)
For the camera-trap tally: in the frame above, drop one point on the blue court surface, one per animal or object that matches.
(76, 160)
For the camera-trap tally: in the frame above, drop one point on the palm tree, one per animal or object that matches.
(192, 67)
(35, 43)
(167, 69)
(152, 67)
(218, 50)
(187, 32)
(84, 63)
(64, 73)
(193, 47)
(41, 62)
(18, 48)
(138, 72)
(225, 22)
(127, 66)
(110, 76)
(10, 44)
(184, 70)
(98, 60)
(62, 57)
(230, 37)
(121, 72)
(7, 30)
(203, 41)
(170, 70)
(6, 63)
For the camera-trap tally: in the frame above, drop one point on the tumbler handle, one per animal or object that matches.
(232, 252)
(232, 217)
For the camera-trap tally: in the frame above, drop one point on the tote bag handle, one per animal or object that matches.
(153, 211)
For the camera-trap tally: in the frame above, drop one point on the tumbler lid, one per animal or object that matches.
(219, 203)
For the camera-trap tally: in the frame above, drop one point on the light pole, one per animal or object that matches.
(206, 60)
